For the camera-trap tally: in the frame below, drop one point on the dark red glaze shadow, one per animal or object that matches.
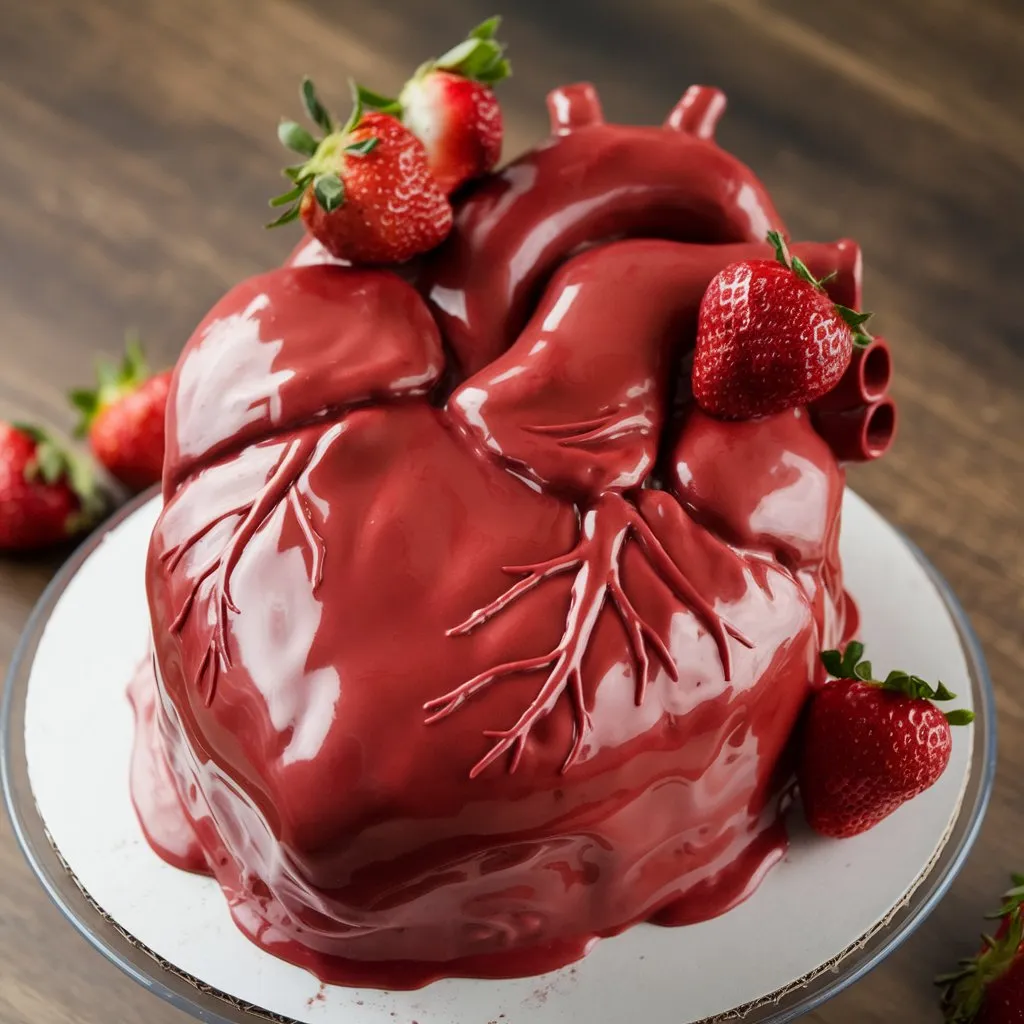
(459, 689)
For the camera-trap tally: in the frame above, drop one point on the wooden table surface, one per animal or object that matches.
(137, 149)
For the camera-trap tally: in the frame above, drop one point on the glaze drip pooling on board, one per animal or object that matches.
(473, 640)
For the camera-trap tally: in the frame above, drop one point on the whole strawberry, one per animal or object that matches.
(124, 418)
(769, 338)
(365, 191)
(449, 104)
(46, 494)
(989, 988)
(867, 746)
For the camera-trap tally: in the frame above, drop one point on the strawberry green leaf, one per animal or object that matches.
(316, 110)
(134, 368)
(960, 717)
(802, 271)
(87, 402)
(296, 173)
(912, 686)
(497, 72)
(375, 101)
(106, 374)
(833, 662)
(50, 464)
(288, 197)
(791, 262)
(329, 191)
(53, 464)
(479, 56)
(1013, 899)
(851, 656)
(486, 29)
(856, 321)
(294, 137)
(357, 107)
(916, 687)
(851, 316)
(287, 217)
(93, 502)
(115, 381)
(463, 55)
(364, 146)
(848, 665)
(965, 989)
(778, 243)
(30, 430)
(863, 671)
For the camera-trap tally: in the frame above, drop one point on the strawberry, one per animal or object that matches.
(365, 191)
(867, 746)
(450, 106)
(124, 418)
(989, 988)
(46, 494)
(769, 338)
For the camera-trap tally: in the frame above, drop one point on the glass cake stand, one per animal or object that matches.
(199, 998)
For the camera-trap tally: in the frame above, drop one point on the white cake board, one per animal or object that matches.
(825, 915)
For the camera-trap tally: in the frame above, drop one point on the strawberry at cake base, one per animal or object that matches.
(460, 664)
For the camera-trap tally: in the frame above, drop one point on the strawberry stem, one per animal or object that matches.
(848, 665)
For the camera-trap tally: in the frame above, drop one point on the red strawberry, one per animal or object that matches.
(365, 192)
(46, 494)
(869, 746)
(124, 419)
(989, 988)
(769, 338)
(449, 105)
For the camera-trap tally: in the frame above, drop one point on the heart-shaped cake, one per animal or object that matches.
(474, 637)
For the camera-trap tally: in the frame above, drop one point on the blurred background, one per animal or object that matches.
(138, 149)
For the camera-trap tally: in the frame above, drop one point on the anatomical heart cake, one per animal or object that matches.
(499, 546)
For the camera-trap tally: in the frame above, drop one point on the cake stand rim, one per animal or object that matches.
(936, 880)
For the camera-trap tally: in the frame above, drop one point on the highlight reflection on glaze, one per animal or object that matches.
(460, 665)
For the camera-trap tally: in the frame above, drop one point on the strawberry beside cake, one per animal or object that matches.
(500, 539)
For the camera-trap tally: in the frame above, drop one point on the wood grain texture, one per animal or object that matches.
(138, 149)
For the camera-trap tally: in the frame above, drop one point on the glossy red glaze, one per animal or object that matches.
(589, 183)
(866, 380)
(457, 689)
(861, 434)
